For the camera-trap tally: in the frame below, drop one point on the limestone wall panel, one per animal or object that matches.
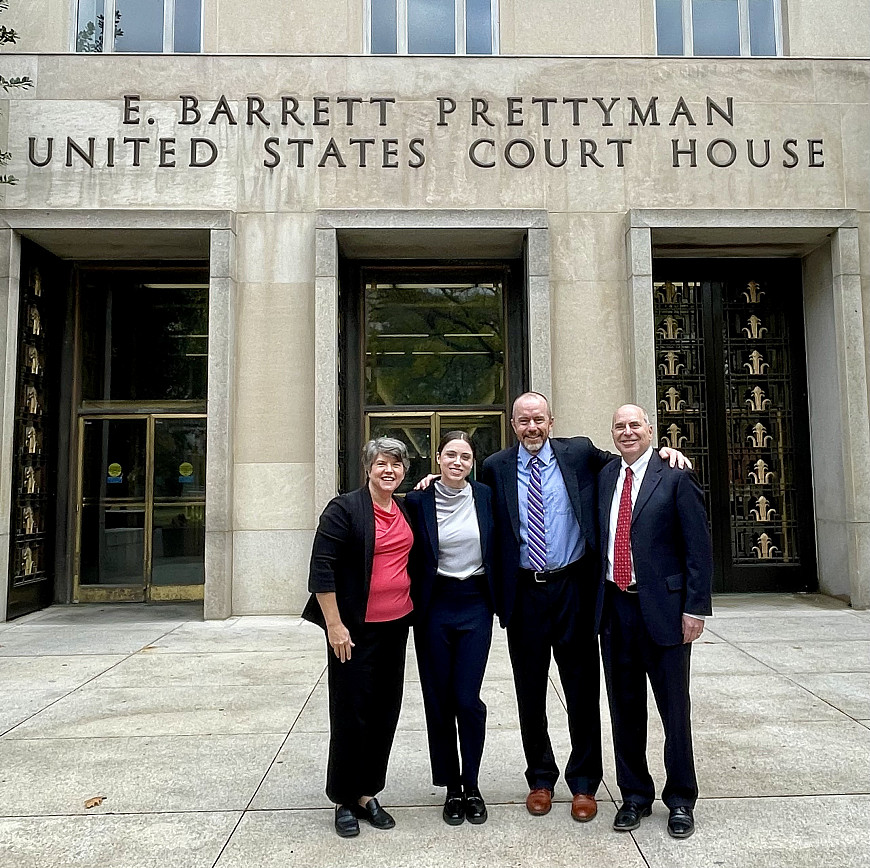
(272, 496)
(276, 26)
(560, 27)
(275, 373)
(829, 28)
(270, 570)
(590, 334)
(587, 246)
(42, 25)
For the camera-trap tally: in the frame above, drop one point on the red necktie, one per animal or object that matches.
(622, 541)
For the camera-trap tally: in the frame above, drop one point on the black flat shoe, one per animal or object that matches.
(454, 809)
(628, 817)
(375, 814)
(475, 807)
(681, 823)
(346, 824)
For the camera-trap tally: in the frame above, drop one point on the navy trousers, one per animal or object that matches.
(452, 639)
(630, 657)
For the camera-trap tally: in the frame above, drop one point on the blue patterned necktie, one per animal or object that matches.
(537, 530)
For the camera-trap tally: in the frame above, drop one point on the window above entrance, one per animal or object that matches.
(431, 26)
(714, 28)
(154, 26)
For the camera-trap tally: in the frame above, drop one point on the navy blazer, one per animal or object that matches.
(424, 557)
(342, 557)
(670, 547)
(580, 461)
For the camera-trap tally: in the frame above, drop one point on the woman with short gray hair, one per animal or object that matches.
(360, 595)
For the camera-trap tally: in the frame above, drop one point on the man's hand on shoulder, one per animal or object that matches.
(675, 457)
(425, 482)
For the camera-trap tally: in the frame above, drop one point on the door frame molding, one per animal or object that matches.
(437, 230)
(94, 224)
(828, 242)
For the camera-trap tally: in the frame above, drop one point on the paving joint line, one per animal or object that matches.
(83, 684)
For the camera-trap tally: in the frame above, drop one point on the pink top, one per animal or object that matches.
(390, 589)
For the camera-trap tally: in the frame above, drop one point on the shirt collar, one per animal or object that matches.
(545, 454)
(640, 464)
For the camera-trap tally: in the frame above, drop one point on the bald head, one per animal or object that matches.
(632, 432)
(532, 420)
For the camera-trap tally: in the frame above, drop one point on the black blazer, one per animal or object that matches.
(580, 461)
(424, 557)
(342, 556)
(670, 546)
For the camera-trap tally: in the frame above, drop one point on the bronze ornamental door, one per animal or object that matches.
(732, 394)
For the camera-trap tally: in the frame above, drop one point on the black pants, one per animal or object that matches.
(557, 618)
(630, 657)
(365, 697)
(452, 645)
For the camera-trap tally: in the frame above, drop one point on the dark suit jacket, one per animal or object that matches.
(424, 557)
(580, 461)
(670, 546)
(342, 556)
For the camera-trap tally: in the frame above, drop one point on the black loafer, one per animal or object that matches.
(375, 814)
(454, 809)
(346, 824)
(681, 822)
(628, 817)
(475, 807)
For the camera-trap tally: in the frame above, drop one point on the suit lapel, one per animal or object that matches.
(605, 497)
(508, 473)
(481, 523)
(651, 479)
(368, 518)
(569, 477)
(430, 516)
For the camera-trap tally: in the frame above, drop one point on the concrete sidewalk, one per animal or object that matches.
(208, 742)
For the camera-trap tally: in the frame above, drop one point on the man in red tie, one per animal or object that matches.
(655, 589)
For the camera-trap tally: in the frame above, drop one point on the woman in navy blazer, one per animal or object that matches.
(454, 601)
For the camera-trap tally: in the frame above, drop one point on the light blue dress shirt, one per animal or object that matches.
(564, 542)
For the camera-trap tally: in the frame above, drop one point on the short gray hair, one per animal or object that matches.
(385, 446)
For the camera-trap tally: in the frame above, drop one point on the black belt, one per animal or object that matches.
(541, 577)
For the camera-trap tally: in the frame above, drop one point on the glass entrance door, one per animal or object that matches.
(427, 348)
(141, 508)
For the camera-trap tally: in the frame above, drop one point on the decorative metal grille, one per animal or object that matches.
(750, 334)
(681, 379)
(31, 540)
(759, 421)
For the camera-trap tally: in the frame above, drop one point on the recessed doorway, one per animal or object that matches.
(140, 465)
(427, 348)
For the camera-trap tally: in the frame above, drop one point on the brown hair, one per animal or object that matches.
(455, 435)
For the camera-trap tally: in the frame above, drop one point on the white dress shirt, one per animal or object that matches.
(638, 469)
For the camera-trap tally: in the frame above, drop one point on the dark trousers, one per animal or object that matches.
(365, 697)
(452, 645)
(557, 617)
(630, 657)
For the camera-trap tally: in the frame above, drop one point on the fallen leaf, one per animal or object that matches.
(95, 802)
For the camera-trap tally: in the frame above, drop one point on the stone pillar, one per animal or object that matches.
(642, 365)
(538, 284)
(326, 355)
(851, 355)
(10, 268)
(218, 600)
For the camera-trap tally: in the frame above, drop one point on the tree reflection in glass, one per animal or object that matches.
(434, 344)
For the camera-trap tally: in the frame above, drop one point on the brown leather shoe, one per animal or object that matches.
(539, 802)
(583, 807)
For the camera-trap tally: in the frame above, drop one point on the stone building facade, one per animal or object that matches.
(224, 267)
